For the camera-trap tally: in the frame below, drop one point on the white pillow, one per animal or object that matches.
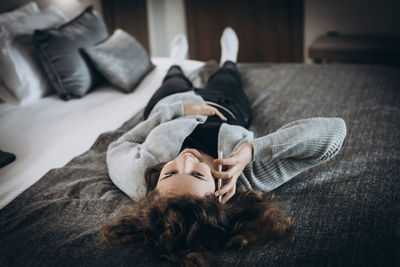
(7, 17)
(22, 74)
(28, 9)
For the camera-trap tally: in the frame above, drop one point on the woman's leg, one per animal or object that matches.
(174, 82)
(226, 76)
(225, 87)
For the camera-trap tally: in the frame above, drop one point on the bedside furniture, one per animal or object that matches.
(374, 49)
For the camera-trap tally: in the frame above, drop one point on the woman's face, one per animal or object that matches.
(189, 173)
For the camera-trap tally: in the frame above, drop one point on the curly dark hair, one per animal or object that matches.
(183, 229)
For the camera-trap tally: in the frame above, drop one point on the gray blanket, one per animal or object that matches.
(346, 211)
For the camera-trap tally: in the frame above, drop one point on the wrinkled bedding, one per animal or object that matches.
(346, 211)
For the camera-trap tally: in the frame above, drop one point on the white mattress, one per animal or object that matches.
(50, 132)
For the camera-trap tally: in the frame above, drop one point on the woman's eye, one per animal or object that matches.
(169, 174)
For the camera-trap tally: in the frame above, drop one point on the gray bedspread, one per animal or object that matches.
(346, 211)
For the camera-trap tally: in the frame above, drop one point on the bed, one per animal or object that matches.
(50, 132)
(346, 211)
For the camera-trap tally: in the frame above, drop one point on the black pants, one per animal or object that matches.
(224, 87)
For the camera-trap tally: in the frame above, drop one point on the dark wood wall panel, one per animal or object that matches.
(268, 30)
(129, 15)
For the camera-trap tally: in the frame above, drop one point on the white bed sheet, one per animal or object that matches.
(50, 132)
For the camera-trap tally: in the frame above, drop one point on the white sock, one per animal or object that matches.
(178, 49)
(229, 46)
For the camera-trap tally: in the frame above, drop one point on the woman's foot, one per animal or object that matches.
(178, 49)
(229, 46)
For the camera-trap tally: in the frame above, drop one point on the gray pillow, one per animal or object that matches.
(121, 60)
(60, 55)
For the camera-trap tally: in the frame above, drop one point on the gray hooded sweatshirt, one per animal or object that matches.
(277, 157)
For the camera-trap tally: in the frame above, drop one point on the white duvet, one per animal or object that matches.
(50, 132)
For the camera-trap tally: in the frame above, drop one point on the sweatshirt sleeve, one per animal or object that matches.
(128, 158)
(162, 113)
(292, 149)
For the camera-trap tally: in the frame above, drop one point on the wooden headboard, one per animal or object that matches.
(268, 30)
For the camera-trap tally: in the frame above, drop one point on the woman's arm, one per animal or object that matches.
(292, 149)
(202, 108)
(166, 112)
(162, 113)
(279, 156)
(127, 157)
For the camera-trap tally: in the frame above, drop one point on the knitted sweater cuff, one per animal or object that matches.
(262, 148)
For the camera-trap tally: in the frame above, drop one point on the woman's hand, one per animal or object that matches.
(236, 162)
(201, 108)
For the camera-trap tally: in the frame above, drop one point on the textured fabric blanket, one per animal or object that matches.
(346, 211)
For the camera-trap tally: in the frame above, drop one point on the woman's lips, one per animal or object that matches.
(192, 152)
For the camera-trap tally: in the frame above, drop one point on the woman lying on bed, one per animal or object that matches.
(168, 165)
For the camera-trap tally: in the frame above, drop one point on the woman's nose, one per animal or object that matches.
(188, 162)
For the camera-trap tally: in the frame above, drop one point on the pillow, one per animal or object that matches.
(7, 17)
(24, 79)
(2, 88)
(6, 158)
(121, 60)
(30, 8)
(59, 53)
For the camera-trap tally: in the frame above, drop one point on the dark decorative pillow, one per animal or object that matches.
(121, 59)
(59, 52)
(6, 158)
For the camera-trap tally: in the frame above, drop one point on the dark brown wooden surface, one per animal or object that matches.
(129, 15)
(268, 30)
(376, 49)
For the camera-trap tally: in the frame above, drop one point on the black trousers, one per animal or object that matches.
(224, 87)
